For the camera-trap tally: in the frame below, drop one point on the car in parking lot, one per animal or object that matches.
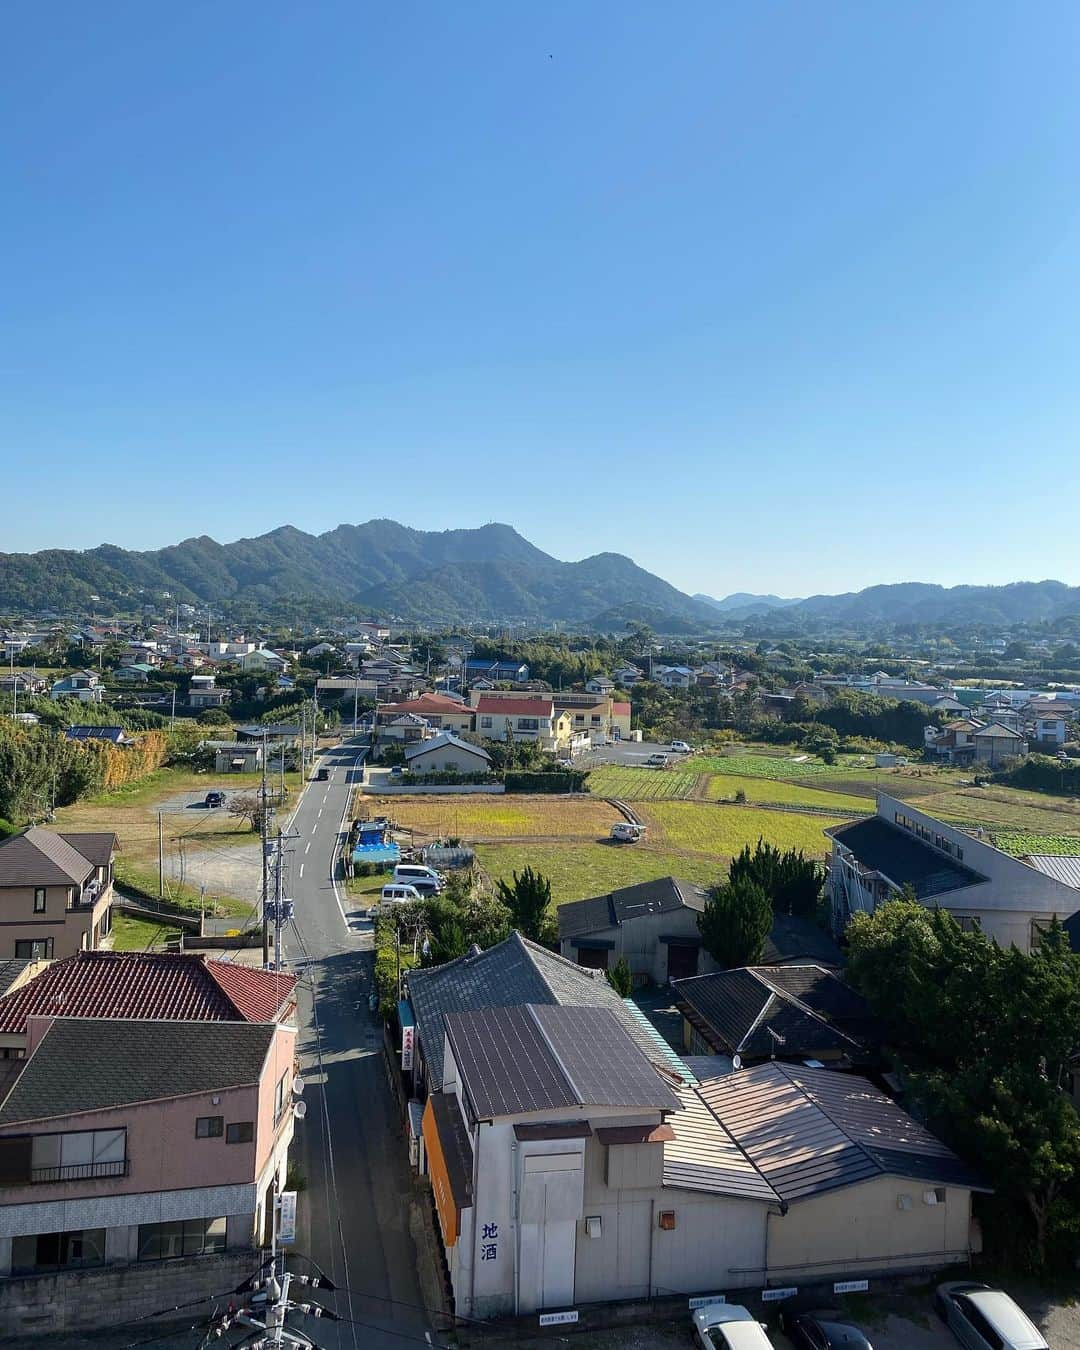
(657, 761)
(681, 748)
(982, 1318)
(729, 1326)
(214, 799)
(810, 1328)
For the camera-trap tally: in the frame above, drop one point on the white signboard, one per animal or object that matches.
(704, 1300)
(851, 1287)
(287, 1217)
(775, 1295)
(557, 1319)
(408, 1035)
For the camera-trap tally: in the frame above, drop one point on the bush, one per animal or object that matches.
(566, 780)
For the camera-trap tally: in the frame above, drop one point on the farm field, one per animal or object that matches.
(593, 869)
(769, 790)
(722, 831)
(633, 784)
(1006, 809)
(495, 816)
(1060, 845)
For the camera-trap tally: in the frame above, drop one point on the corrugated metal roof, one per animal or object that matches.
(704, 1157)
(537, 1057)
(814, 1130)
(1065, 869)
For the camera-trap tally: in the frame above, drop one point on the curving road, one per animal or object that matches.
(354, 1209)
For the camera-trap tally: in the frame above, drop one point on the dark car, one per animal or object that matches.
(820, 1330)
(214, 799)
(323, 775)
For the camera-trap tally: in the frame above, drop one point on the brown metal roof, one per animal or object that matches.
(38, 857)
(99, 847)
(703, 1156)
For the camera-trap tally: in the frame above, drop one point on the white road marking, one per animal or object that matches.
(301, 869)
(314, 827)
(308, 849)
(320, 810)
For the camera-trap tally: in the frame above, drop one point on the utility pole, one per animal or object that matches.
(160, 858)
(265, 861)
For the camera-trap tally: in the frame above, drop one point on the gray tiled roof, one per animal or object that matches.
(542, 1057)
(91, 1064)
(662, 895)
(9, 973)
(513, 972)
(813, 1130)
(38, 857)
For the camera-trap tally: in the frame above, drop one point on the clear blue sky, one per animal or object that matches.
(770, 296)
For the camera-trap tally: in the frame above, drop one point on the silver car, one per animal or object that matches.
(982, 1318)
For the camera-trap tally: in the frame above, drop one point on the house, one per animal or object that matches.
(514, 971)
(128, 1142)
(83, 685)
(134, 672)
(653, 925)
(445, 753)
(981, 887)
(263, 659)
(794, 1012)
(627, 675)
(863, 1188)
(498, 672)
(56, 892)
(439, 711)
(528, 719)
(994, 744)
(235, 756)
(599, 715)
(322, 649)
(1049, 723)
(280, 733)
(674, 677)
(599, 684)
(161, 986)
(113, 735)
(954, 742)
(204, 693)
(949, 706)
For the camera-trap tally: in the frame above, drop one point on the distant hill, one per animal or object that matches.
(745, 603)
(490, 574)
(922, 602)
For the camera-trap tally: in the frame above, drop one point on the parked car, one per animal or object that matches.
(397, 771)
(820, 1329)
(392, 894)
(982, 1318)
(214, 799)
(729, 1326)
(426, 880)
(681, 748)
(323, 775)
(656, 761)
(625, 832)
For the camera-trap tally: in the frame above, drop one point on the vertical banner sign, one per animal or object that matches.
(407, 1036)
(287, 1217)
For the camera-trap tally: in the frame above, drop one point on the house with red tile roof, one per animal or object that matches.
(162, 986)
(437, 710)
(532, 718)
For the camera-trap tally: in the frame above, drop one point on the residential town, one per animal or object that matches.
(563, 950)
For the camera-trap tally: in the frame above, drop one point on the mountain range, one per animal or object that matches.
(486, 575)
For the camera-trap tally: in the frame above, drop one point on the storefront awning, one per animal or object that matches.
(450, 1161)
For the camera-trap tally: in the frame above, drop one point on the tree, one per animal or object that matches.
(735, 923)
(791, 880)
(621, 979)
(447, 934)
(214, 717)
(247, 806)
(528, 901)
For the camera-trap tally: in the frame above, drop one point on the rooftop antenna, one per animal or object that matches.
(777, 1039)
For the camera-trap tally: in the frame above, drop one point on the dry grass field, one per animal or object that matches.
(493, 816)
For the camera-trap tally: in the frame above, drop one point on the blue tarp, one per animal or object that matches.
(376, 853)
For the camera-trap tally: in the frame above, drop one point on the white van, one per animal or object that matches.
(399, 895)
(425, 879)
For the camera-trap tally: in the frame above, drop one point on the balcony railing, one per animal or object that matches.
(79, 1171)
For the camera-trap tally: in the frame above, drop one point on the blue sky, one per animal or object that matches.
(768, 296)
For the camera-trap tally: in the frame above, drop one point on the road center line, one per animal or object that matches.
(308, 849)
(301, 869)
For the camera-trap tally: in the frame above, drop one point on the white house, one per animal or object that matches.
(674, 677)
(445, 753)
(262, 658)
(600, 684)
(83, 685)
(529, 719)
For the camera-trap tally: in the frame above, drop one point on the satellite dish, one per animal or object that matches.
(298, 1085)
(299, 1110)
(736, 1061)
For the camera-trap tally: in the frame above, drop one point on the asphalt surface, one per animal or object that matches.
(354, 1209)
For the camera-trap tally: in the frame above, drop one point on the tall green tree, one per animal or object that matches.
(621, 978)
(791, 880)
(735, 923)
(528, 901)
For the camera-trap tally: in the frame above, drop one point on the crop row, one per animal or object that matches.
(1018, 843)
(641, 784)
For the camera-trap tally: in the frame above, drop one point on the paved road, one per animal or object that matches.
(354, 1218)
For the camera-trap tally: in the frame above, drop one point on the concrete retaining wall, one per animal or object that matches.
(81, 1299)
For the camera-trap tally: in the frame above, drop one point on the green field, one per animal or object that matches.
(138, 935)
(633, 784)
(594, 869)
(789, 768)
(1008, 810)
(722, 831)
(769, 790)
(1061, 845)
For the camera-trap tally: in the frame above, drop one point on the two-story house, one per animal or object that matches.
(55, 893)
(204, 693)
(83, 685)
(127, 1143)
(439, 711)
(528, 719)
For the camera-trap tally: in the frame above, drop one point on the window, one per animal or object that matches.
(528, 724)
(33, 949)
(12, 1052)
(57, 1251)
(595, 721)
(240, 1132)
(39, 899)
(209, 1127)
(78, 1155)
(189, 1237)
(485, 723)
(978, 1323)
(280, 1093)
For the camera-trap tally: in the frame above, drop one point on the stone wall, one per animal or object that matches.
(77, 1300)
